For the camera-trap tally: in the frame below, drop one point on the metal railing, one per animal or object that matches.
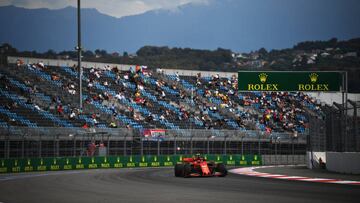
(338, 132)
(61, 142)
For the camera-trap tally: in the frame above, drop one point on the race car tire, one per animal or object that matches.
(179, 170)
(186, 170)
(220, 167)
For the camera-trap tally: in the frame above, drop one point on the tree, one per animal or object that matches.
(50, 54)
(263, 52)
(101, 52)
(8, 49)
(88, 54)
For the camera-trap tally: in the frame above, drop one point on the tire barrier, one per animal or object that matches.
(76, 163)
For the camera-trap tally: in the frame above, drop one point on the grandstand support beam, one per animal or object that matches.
(79, 49)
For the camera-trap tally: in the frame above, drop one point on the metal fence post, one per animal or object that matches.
(280, 147)
(4, 148)
(242, 145)
(208, 145)
(225, 147)
(213, 150)
(23, 147)
(57, 146)
(124, 145)
(74, 146)
(191, 144)
(82, 145)
(292, 149)
(7, 152)
(40, 146)
(175, 145)
(259, 146)
(227, 142)
(141, 146)
(54, 146)
(108, 145)
(276, 152)
(158, 147)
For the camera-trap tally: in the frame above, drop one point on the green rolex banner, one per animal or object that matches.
(317, 81)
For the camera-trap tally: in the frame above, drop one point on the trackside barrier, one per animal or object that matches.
(76, 163)
(283, 159)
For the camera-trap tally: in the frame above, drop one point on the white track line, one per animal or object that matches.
(23, 176)
(249, 171)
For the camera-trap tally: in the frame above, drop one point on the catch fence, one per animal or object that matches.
(74, 142)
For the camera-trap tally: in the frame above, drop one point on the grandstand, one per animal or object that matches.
(143, 99)
(44, 99)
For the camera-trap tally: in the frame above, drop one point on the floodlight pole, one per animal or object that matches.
(79, 49)
(346, 110)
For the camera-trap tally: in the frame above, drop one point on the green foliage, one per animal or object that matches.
(186, 58)
(221, 59)
(311, 45)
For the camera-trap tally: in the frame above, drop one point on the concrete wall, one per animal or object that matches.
(195, 72)
(59, 62)
(69, 63)
(343, 162)
(314, 163)
(283, 159)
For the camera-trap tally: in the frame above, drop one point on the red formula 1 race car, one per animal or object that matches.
(198, 166)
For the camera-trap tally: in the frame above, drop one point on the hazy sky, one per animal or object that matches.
(239, 25)
(116, 8)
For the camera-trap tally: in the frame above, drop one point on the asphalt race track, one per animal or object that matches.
(160, 185)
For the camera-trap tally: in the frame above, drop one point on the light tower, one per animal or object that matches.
(79, 49)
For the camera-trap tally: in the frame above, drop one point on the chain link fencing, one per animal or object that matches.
(66, 142)
(339, 131)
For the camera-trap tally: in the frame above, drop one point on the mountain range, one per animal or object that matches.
(239, 25)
